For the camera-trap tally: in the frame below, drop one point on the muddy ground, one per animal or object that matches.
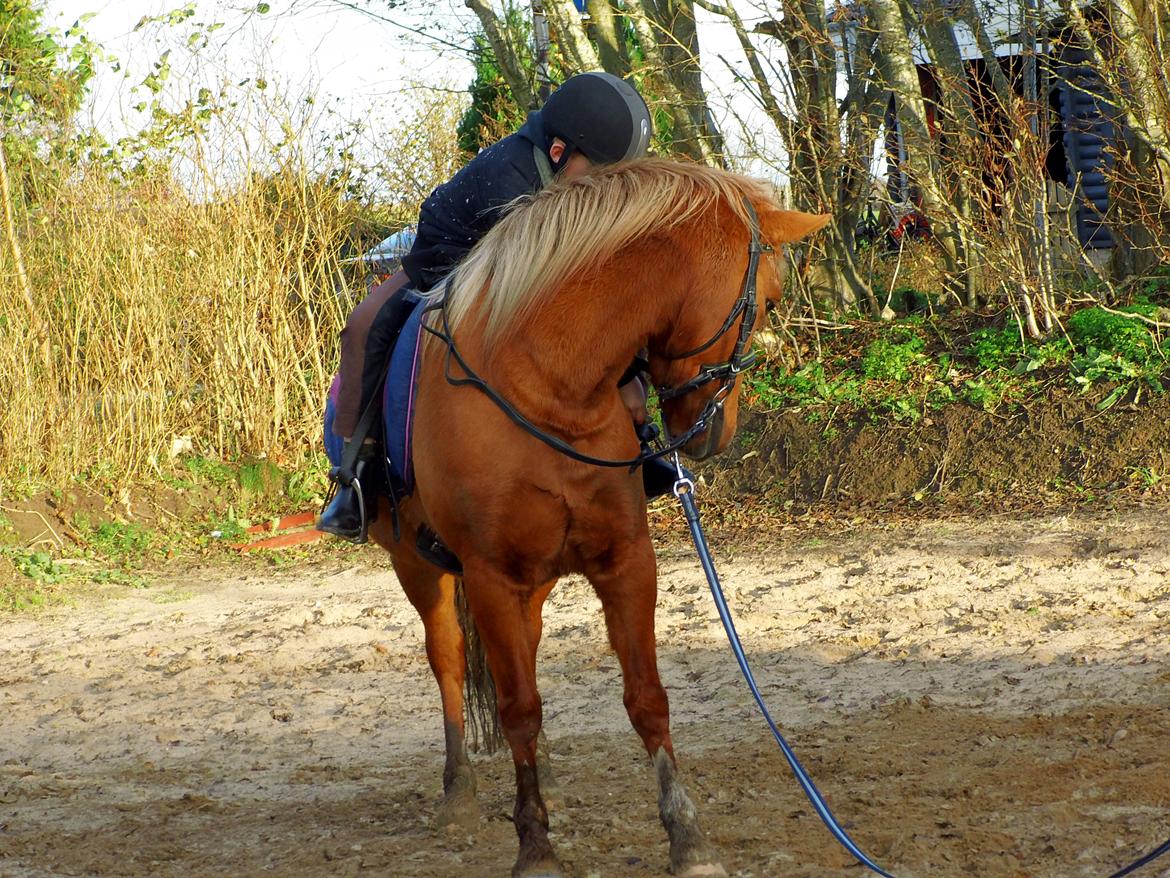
(983, 697)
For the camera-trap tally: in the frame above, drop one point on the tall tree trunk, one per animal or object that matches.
(1147, 103)
(1138, 193)
(962, 142)
(921, 164)
(823, 176)
(611, 44)
(505, 52)
(574, 41)
(1141, 188)
(691, 135)
(680, 48)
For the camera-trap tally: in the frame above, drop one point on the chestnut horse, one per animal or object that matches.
(549, 309)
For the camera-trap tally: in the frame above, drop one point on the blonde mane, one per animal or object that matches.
(547, 237)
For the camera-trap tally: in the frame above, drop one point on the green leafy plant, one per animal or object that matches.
(1158, 284)
(119, 577)
(808, 385)
(39, 567)
(123, 542)
(989, 392)
(227, 529)
(1105, 331)
(1094, 366)
(1146, 477)
(206, 469)
(305, 486)
(1056, 352)
(995, 348)
(260, 478)
(891, 358)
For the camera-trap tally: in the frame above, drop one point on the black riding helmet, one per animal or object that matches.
(599, 115)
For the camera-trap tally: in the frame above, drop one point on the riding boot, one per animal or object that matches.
(355, 503)
(659, 477)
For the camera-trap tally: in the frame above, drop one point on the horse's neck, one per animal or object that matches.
(571, 353)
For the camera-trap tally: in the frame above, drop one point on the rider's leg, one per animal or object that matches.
(366, 342)
(658, 475)
(355, 501)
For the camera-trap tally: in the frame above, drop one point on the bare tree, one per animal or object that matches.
(504, 44)
(960, 139)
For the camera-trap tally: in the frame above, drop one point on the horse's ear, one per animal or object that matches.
(786, 226)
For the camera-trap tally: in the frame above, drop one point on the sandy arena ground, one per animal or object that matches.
(978, 697)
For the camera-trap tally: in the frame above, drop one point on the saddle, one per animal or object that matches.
(398, 396)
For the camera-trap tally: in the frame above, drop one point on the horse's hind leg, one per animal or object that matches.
(628, 592)
(433, 594)
(503, 616)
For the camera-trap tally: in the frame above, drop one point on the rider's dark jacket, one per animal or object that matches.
(461, 211)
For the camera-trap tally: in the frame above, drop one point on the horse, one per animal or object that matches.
(547, 311)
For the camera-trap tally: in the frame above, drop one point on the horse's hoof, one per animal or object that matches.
(697, 861)
(704, 870)
(459, 815)
(546, 867)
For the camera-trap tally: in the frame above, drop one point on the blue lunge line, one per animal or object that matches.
(1148, 858)
(685, 490)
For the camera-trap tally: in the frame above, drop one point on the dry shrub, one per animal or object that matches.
(171, 315)
(421, 151)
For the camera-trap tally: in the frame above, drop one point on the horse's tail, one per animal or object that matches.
(480, 709)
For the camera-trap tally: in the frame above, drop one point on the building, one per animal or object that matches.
(1080, 121)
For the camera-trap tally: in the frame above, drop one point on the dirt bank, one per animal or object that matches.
(1060, 444)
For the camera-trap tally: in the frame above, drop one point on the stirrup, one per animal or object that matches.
(364, 529)
(363, 519)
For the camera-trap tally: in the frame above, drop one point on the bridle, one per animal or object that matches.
(742, 358)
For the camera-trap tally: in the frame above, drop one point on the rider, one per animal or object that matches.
(592, 119)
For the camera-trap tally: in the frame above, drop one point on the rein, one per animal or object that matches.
(742, 358)
(684, 489)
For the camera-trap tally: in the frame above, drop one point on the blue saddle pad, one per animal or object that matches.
(398, 398)
(397, 404)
